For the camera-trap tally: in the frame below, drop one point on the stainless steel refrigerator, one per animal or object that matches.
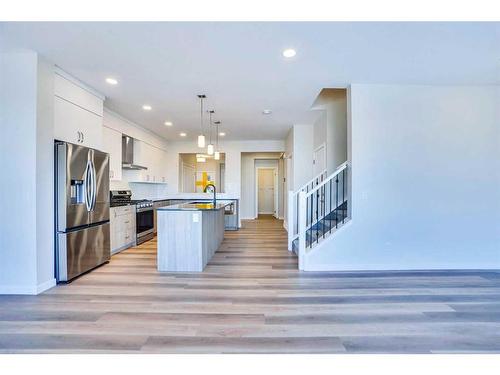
(82, 209)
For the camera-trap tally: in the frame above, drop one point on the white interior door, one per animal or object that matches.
(266, 204)
(319, 160)
(188, 179)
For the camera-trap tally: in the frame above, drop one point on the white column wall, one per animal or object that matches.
(26, 162)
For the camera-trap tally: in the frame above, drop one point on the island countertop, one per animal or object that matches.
(197, 206)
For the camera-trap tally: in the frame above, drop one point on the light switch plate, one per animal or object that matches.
(196, 218)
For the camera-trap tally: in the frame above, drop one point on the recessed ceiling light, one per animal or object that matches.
(147, 107)
(111, 81)
(182, 134)
(168, 123)
(267, 112)
(289, 52)
(222, 134)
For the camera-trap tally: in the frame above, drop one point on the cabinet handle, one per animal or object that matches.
(127, 222)
(83, 137)
(79, 137)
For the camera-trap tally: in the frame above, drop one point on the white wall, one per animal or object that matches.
(289, 156)
(319, 130)
(331, 126)
(425, 181)
(248, 163)
(26, 161)
(302, 154)
(44, 175)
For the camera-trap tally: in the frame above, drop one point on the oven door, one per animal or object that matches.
(144, 222)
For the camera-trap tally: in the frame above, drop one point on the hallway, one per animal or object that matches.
(251, 298)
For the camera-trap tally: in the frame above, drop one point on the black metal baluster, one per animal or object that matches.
(310, 223)
(323, 209)
(317, 215)
(336, 201)
(330, 210)
(343, 198)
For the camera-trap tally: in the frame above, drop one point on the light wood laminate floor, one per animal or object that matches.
(252, 299)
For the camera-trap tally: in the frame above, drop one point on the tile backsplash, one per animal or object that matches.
(141, 190)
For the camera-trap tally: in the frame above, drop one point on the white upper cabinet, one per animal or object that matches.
(151, 157)
(76, 125)
(112, 144)
(162, 168)
(77, 114)
(72, 92)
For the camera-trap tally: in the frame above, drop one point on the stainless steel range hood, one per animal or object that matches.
(128, 154)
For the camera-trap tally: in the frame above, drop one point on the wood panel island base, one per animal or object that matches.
(189, 235)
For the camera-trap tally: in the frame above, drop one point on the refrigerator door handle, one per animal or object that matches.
(87, 186)
(94, 186)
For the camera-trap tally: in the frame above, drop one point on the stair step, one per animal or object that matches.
(324, 226)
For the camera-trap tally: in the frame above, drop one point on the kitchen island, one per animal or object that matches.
(189, 234)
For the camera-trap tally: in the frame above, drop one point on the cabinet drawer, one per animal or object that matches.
(123, 210)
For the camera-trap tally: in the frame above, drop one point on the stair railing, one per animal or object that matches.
(322, 209)
(293, 204)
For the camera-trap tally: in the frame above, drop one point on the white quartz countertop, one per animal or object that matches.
(209, 206)
(194, 196)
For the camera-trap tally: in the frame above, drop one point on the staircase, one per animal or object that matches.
(317, 210)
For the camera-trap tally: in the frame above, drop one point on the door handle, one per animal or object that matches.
(87, 186)
(94, 186)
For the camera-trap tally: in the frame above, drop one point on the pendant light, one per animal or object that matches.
(210, 147)
(201, 137)
(217, 152)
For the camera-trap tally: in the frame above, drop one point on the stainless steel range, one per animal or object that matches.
(144, 217)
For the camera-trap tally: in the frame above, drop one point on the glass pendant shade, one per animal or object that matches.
(217, 155)
(201, 141)
(210, 149)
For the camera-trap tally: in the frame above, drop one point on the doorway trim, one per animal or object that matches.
(275, 198)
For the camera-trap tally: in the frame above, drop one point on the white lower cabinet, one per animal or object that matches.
(122, 228)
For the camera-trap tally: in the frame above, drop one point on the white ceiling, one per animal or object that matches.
(240, 68)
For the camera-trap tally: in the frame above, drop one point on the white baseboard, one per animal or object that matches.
(27, 289)
(46, 286)
(16, 289)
